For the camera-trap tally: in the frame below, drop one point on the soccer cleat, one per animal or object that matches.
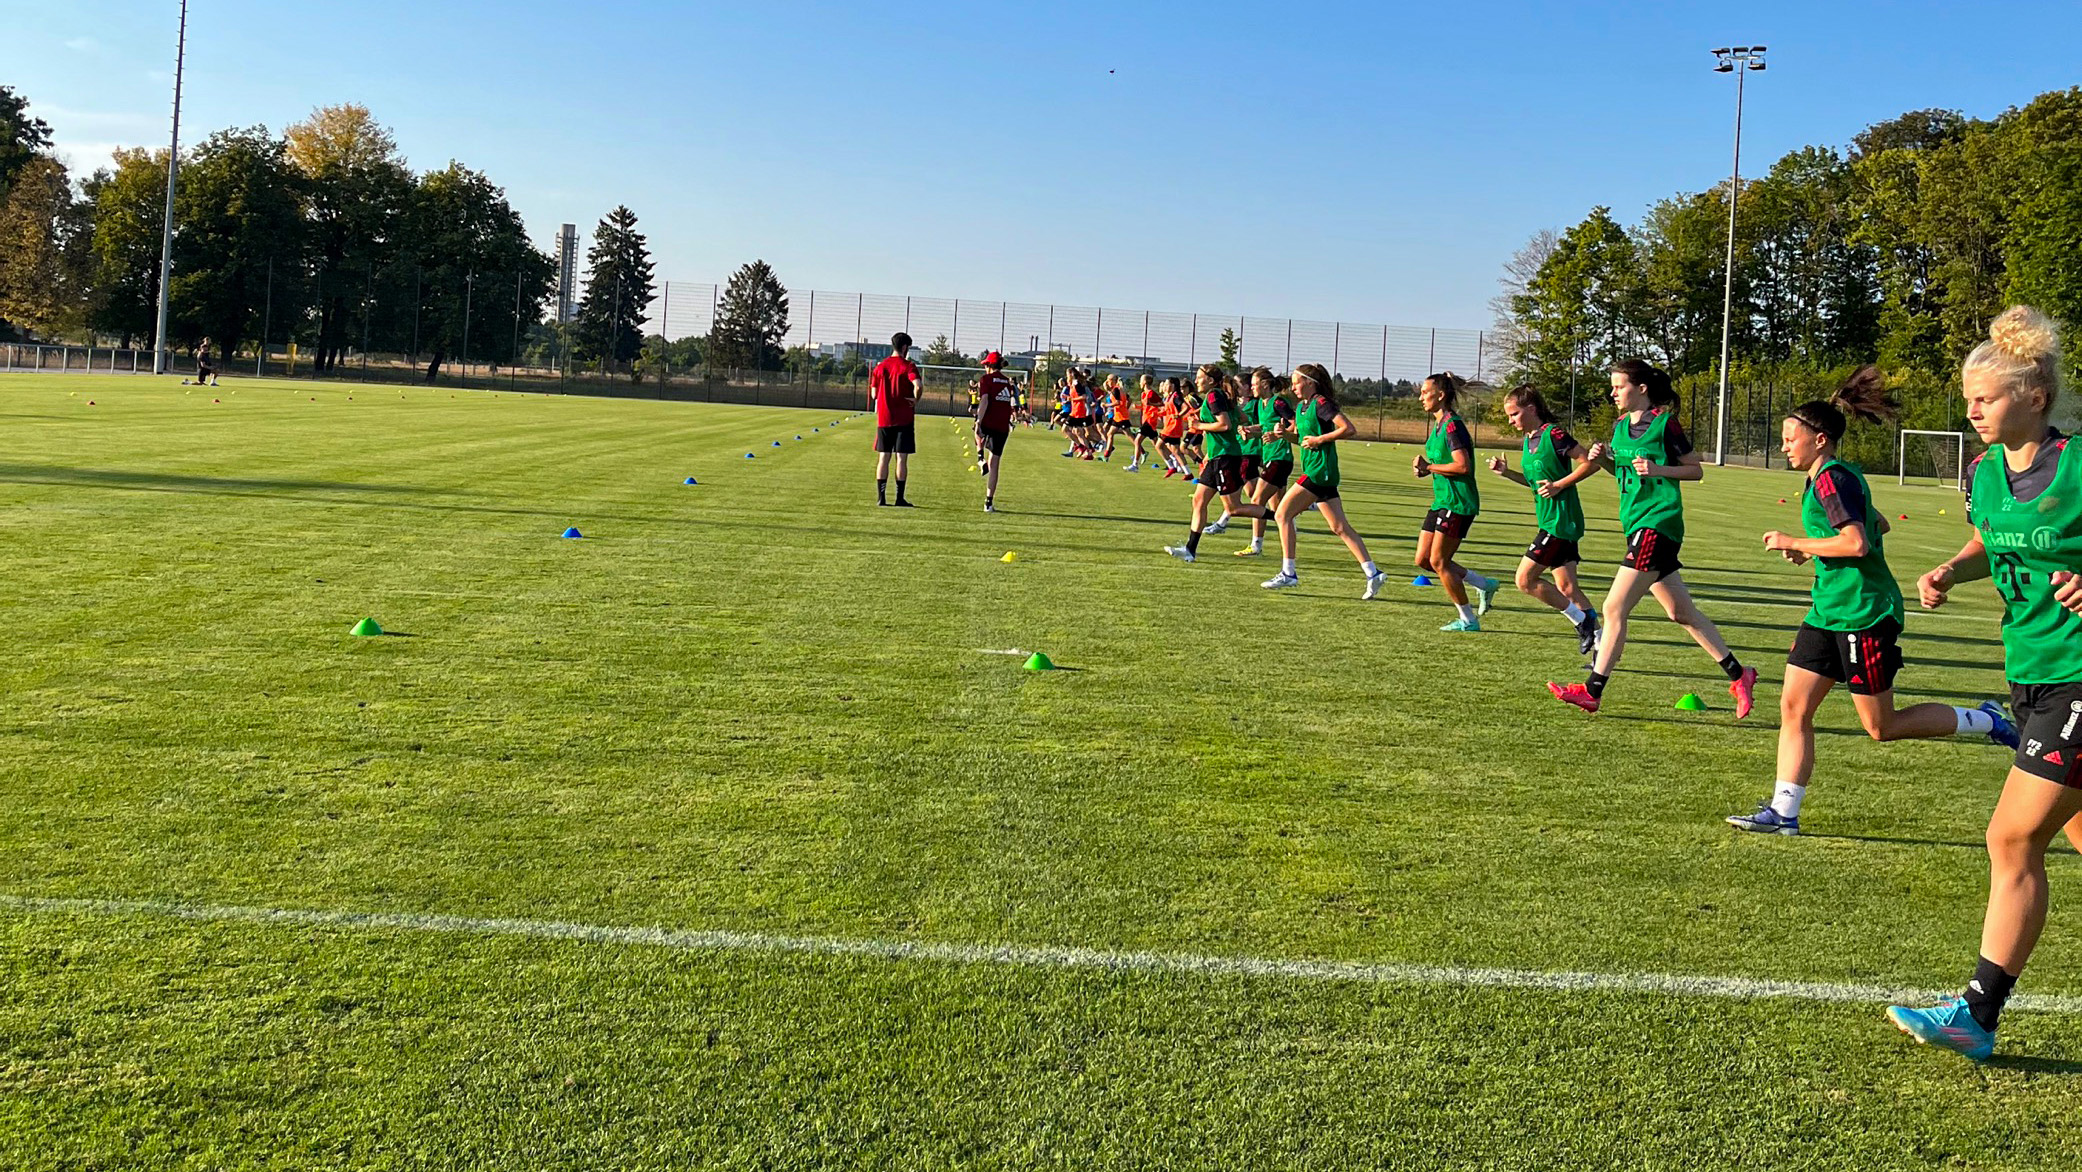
(1181, 553)
(1484, 599)
(1251, 551)
(2004, 733)
(1067, 455)
(1219, 526)
(1460, 624)
(1087, 455)
(1766, 821)
(1170, 472)
(1280, 581)
(1950, 1025)
(1373, 585)
(1575, 694)
(1744, 689)
(1587, 637)
(901, 503)
(988, 507)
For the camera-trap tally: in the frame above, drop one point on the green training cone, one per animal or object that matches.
(366, 627)
(1040, 662)
(1690, 702)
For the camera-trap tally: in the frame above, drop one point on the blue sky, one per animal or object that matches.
(1362, 162)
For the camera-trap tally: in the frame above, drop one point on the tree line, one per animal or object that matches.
(1898, 249)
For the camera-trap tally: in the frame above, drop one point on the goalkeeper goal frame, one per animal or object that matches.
(1958, 444)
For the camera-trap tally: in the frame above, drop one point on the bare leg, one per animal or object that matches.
(1797, 705)
(1297, 501)
(2027, 816)
(1884, 722)
(1677, 603)
(1628, 586)
(1566, 581)
(1532, 580)
(1334, 512)
(1451, 575)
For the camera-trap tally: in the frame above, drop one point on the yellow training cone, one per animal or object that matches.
(1009, 557)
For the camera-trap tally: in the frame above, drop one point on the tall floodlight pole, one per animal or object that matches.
(1739, 61)
(173, 171)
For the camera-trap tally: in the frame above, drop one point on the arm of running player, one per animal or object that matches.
(1585, 469)
(1848, 542)
(1687, 467)
(2067, 589)
(1502, 467)
(1970, 564)
(1463, 462)
(1221, 422)
(1600, 457)
(1343, 430)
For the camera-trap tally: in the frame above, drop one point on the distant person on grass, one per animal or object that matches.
(995, 398)
(894, 388)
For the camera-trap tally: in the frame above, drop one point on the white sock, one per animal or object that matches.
(1223, 519)
(1485, 585)
(1574, 614)
(1467, 613)
(1257, 545)
(1369, 569)
(1287, 568)
(1785, 799)
(1973, 720)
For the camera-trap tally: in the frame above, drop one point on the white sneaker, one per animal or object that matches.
(1217, 527)
(1281, 582)
(1373, 586)
(1181, 553)
(1484, 599)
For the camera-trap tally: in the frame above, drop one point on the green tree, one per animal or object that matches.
(479, 280)
(941, 352)
(43, 250)
(1582, 308)
(357, 189)
(1231, 345)
(618, 292)
(23, 138)
(751, 320)
(239, 213)
(129, 216)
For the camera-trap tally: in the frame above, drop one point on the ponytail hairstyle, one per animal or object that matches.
(1449, 385)
(1527, 395)
(2023, 351)
(1864, 395)
(1213, 372)
(1654, 378)
(1263, 372)
(1317, 380)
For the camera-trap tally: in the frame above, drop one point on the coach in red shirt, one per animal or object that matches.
(894, 388)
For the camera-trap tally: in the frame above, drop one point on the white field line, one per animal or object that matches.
(1183, 964)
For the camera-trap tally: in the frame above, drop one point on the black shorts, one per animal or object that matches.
(2049, 730)
(994, 440)
(1276, 473)
(1224, 474)
(1551, 551)
(1652, 552)
(1452, 524)
(1122, 427)
(901, 439)
(1320, 489)
(1147, 432)
(1250, 469)
(1867, 661)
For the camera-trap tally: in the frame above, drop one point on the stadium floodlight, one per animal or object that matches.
(173, 171)
(1739, 61)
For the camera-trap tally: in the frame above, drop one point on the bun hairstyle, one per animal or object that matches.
(1449, 385)
(1526, 395)
(2022, 350)
(1654, 378)
(1864, 395)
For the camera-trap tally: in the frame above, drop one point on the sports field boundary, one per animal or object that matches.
(1020, 956)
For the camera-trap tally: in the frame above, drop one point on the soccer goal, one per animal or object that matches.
(961, 376)
(1932, 455)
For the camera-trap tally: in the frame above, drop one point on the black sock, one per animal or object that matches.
(1732, 666)
(1986, 993)
(1596, 684)
(899, 491)
(881, 492)
(1193, 541)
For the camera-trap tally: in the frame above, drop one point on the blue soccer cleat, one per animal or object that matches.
(1484, 599)
(2005, 732)
(1949, 1025)
(1462, 625)
(1766, 821)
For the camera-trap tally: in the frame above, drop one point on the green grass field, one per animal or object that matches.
(762, 706)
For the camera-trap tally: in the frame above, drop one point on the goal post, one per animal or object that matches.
(1932, 455)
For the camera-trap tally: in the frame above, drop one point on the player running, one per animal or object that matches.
(1147, 401)
(1222, 473)
(1118, 406)
(1650, 456)
(1449, 459)
(1553, 465)
(1171, 423)
(1318, 425)
(1852, 632)
(996, 398)
(893, 385)
(1275, 453)
(1241, 393)
(2025, 504)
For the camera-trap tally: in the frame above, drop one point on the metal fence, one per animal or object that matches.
(820, 318)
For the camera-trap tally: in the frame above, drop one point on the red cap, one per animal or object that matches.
(993, 359)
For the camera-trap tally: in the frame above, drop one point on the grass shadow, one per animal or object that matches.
(2031, 1065)
(174, 482)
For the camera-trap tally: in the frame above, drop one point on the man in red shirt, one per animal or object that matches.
(893, 387)
(995, 397)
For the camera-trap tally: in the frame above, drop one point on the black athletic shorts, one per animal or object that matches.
(2049, 730)
(1321, 490)
(1147, 432)
(1250, 469)
(902, 439)
(1867, 661)
(1452, 524)
(1652, 552)
(1551, 551)
(994, 440)
(1224, 474)
(1276, 473)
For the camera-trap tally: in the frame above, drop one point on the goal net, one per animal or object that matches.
(1936, 456)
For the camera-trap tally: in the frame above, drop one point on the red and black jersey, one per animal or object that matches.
(996, 395)
(1841, 496)
(894, 387)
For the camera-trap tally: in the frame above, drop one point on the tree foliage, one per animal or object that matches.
(751, 320)
(618, 293)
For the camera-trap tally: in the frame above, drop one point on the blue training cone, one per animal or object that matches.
(777, 443)
(690, 480)
(1420, 580)
(748, 455)
(573, 532)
